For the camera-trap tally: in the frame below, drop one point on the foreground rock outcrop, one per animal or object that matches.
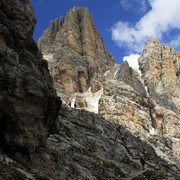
(28, 102)
(89, 147)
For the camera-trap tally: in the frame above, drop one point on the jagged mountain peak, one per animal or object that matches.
(74, 47)
(76, 31)
(153, 40)
(87, 145)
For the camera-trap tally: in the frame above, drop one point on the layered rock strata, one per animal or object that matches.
(28, 102)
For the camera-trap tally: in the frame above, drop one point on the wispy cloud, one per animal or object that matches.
(175, 43)
(126, 4)
(141, 5)
(163, 17)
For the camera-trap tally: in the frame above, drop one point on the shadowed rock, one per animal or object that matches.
(128, 75)
(28, 101)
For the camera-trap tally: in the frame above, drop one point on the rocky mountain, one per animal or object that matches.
(75, 51)
(28, 102)
(147, 101)
(137, 111)
(89, 147)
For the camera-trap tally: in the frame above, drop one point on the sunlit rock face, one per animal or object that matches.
(145, 101)
(87, 146)
(75, 51)
(124, 101)
(160, 67)
(28, 102)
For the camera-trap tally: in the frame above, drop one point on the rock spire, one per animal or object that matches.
(75, 51)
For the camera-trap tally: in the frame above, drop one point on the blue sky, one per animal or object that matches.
(125, 25)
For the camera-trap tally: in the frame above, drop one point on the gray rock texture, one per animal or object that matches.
(89, 147)
(28, 102)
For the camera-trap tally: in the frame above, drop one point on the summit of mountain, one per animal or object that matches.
(75, 51)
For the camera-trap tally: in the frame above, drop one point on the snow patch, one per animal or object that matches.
(152, 131)
(106, 72)
(48, 57)
(146, 88)
(89, 90)
(175, 139)
(93, 100)
(116, 72)
(73, 103)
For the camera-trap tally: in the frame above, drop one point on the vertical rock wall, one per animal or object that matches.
(28, 102)
(75, 51)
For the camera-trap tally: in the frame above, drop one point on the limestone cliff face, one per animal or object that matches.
(147, 101)
(124, 100)
(28, 101)
(75, 51)
(160, 67)
(87, 146)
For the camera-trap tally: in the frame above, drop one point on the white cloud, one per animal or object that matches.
(141, 5)
(163, 17)
(132, 60)
(175, 43)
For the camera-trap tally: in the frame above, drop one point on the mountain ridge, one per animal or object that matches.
(129, 122)
(144, 100)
